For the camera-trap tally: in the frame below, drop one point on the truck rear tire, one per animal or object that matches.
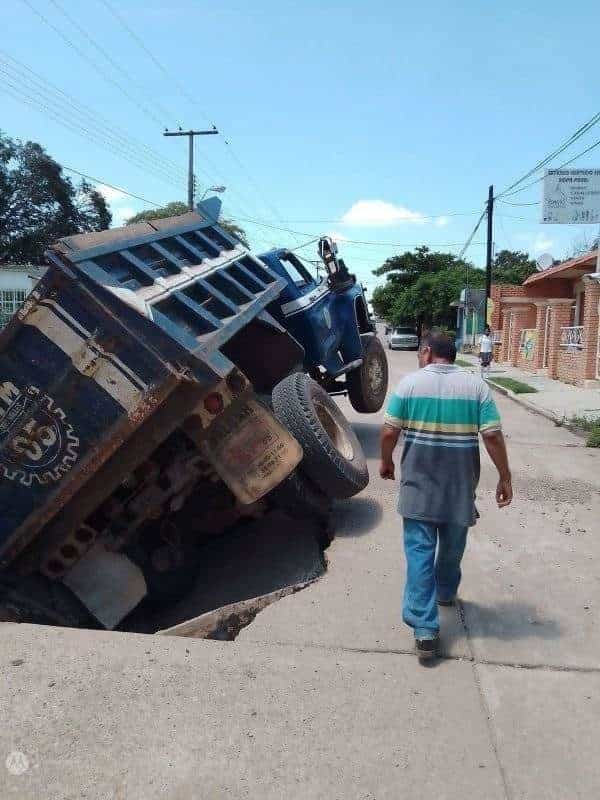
(333, 457)
(368, 384)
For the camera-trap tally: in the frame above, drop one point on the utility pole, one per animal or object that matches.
(190, 134)
(490, 244)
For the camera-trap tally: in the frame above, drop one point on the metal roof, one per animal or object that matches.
(185, 273)
(573, 268)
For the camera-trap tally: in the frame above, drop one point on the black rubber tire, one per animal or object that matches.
(300, 498)
(297, 400)
(361, 394)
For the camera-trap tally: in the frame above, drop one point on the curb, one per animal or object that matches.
(558, 421)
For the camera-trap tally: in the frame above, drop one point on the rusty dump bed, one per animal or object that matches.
(112, 350)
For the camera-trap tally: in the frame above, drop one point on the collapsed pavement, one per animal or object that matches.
(163, 387)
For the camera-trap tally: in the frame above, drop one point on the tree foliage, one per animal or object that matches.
(173, 209)
(421, 285)
(512, 266)
(176, 208)
(39, 204)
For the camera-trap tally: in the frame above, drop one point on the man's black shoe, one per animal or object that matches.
(446, 602)
(427, 648)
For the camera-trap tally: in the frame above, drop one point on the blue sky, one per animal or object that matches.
(381, 122)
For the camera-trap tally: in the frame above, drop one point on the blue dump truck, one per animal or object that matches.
(160, 383)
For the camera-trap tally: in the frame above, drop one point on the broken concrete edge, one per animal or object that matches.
(560, 422)
(226, 622)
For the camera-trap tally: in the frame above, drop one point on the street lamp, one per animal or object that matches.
(218, 189)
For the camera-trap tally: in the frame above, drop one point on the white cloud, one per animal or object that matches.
(121, 214)
(542, 243)
(116, 200)
(110, 194)
(535, 243)
(379, 214)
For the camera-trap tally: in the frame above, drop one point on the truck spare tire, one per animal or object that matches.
(333, 457)
(368, 384)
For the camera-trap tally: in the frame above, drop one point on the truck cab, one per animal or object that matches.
(329, 317)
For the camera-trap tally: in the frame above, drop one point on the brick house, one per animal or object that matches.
(550, 325)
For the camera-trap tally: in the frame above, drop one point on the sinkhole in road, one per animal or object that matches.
(236, 576)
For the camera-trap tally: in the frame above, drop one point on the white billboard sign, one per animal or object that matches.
(571, 196)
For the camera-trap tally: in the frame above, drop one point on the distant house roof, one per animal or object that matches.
(574, 268)
(34, 270)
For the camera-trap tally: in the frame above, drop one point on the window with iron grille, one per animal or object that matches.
(10, 301)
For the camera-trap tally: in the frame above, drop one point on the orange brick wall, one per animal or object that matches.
(570, 365)
(527, 319)
(591, 329)
(561, 317)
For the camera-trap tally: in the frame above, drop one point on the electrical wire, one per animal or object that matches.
(107, 56)
(473, 232)
(564, 164)
(17, 93)
(77, 113)
(174, 80)
(99, 181)
(508, 203)
(349, 242)
(149, 112)
(551, 156)
(341, 222)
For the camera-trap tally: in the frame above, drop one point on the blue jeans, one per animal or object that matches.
(429, 578)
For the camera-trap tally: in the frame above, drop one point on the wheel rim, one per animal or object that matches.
(375, 375)
(338, 436)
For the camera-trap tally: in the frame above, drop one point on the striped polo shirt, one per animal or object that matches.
(441, 409)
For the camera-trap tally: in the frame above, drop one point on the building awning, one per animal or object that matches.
(574, 268)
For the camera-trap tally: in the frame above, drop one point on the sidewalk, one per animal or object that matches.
(555, 400)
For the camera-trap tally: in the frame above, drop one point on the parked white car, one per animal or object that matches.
(403, 339)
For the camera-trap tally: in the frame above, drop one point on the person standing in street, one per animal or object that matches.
(442, 410)
(485, 350)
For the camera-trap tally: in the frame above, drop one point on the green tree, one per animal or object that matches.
(176, 208)
(173, 209)
(39, 204)
(512, 266)
(421, 285)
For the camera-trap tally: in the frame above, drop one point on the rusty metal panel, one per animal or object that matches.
(75, 384)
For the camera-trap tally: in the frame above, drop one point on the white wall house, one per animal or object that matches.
(16, 281)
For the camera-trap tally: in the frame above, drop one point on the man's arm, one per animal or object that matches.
(389, 439)
(496, 447)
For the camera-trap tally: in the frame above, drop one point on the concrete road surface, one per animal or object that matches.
(321, 697)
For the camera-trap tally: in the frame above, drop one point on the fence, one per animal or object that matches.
(572, 337)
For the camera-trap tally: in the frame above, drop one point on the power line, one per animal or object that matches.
(564, 164)
(99, 181)
(140, 42)
(314, 237)
(174, 81)
(472, 235)
(90, 135)
(107, 56)
(508, 203)
(69, 110)
(551, 156)
(82, 54)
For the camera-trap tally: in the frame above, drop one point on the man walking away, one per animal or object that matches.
(485, 350)
(441, 410)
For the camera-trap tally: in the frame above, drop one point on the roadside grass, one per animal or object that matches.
(460, 362)
(518, 387)
(592, 427)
